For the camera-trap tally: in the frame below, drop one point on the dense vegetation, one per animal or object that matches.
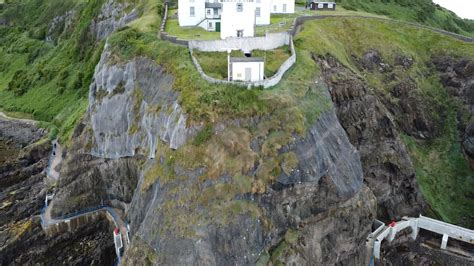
(421, 11)
(46, 69)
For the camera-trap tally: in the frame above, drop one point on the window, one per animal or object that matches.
(210, 25)
(274, 8)
(284, 7)
(208, 11)
(240, 33)
(257, 12)
(240, 7)
(191, 11)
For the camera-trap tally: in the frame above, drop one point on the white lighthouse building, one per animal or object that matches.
(238, 18)
(233, 18)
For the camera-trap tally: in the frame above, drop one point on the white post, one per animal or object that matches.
(414, 227)
(377, 249)
(228, 64)
(444, 242)
(392, 234)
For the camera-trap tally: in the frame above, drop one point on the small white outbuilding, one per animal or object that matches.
(248, 69)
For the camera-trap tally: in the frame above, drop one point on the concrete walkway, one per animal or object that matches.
(47, 220)
(55, 159)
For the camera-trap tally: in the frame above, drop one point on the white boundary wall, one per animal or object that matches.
(268, 42)
(247, 45)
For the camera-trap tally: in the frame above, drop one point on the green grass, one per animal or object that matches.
(283, 22)
(420, 11)
(48, 80)
(214, 64)
(188, 33)
(444, 176)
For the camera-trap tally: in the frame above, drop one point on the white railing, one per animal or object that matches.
(447, 230)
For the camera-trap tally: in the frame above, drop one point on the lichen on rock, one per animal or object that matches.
(132, 105)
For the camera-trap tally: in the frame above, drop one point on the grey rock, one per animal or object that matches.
(113, 16)
(132, 105)
(60, 25)
(387, 167)
(329, 175)
(20, 133)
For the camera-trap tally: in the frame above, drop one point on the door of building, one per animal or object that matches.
(248, 74)
(240, 33)
(218, 26)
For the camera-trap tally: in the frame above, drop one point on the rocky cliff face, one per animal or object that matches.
(113, 16)
(299, 219)
(24, 154)
(388, 169)
(23, 185)
(457, 76)
(267, 190)
(132, 108)
(292, 202)
(132, 105)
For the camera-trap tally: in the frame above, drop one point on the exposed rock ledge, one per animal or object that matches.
(113, 16)
(133, 104)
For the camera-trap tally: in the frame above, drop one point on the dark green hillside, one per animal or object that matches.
(421, 11)
(48, 79)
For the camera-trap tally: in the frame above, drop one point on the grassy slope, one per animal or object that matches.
(47, 80)
(187, 33)
(215, 63)
(444, 176)
(421, 11)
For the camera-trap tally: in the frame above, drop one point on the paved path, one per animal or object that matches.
(47, 220)
(55, 159)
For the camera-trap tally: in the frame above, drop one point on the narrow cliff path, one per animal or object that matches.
(47, 220)
(55, 159)
(29, 121)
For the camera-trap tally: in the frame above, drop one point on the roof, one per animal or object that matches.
(211, 5)
(246, 59)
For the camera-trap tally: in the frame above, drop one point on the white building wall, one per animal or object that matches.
(264, 18)
(184, 12)
(234, 21)
(209, 24)
(278, 6)
(238, 71)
